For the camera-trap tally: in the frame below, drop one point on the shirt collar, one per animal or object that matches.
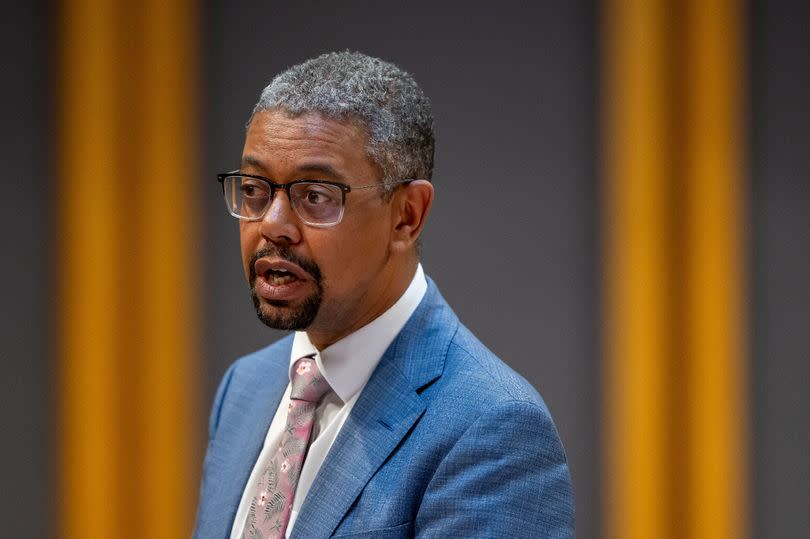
(347, 364)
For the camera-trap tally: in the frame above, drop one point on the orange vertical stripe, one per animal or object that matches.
(87, 272)
(636, 272)
(714, 270)
(127, 212)
(675, 376)
(169, 245)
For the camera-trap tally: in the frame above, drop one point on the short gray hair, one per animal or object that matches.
(385, 101)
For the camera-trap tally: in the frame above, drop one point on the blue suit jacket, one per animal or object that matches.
(445, 440)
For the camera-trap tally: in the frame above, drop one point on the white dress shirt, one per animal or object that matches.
(347, 365)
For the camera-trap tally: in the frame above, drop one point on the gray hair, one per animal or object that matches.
(385, 101)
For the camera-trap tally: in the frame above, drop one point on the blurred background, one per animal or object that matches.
(622, 215)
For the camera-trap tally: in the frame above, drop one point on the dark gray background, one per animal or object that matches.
(780, 267)
(511, 242)
(26, 243)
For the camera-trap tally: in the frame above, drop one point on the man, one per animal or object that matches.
(381, 416)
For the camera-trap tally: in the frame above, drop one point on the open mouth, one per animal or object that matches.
(279, 277)
(279, 273)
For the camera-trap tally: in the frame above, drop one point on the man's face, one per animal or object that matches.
(329, 281)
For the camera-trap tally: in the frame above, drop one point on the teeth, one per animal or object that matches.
(280, 279)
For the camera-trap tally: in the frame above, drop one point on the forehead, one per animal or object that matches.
(278, 144)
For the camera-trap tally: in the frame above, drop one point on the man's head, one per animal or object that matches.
(380, 98)
(347, 119)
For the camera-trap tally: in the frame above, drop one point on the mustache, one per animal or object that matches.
(285, 253)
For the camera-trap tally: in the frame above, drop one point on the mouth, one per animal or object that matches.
(279, 271)
(278, 279)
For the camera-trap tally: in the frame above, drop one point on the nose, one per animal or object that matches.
(280, 224)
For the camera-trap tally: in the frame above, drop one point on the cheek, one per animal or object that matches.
(247, 242)
(361, 250)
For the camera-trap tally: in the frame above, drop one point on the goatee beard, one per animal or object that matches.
(284, 314)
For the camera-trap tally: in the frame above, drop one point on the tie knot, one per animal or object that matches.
(308, 384)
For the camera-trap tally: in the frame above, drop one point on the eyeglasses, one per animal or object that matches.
(317, 203)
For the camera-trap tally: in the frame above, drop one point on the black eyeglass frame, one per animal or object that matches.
(287, 186)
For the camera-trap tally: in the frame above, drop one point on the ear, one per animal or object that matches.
(411, 206)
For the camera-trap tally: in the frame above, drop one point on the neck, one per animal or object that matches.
(394, 288)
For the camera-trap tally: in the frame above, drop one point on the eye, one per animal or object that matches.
(317, 202)
(317, 194)
(315, 197)
(253, 190)
(253, 197)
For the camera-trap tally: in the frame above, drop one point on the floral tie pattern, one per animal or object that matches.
(272, 502)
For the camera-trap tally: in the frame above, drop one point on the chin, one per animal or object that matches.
(285, 316)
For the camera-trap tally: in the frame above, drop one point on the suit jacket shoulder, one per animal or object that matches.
(445, 440)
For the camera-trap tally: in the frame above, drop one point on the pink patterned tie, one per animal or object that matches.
(272, 503)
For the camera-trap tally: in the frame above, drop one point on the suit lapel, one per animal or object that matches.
(385, 412)
(369, 435)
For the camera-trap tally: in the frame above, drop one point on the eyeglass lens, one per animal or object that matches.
(314, 202)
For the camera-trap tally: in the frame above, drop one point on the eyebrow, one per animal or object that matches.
(322, 168)
(249, 160)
